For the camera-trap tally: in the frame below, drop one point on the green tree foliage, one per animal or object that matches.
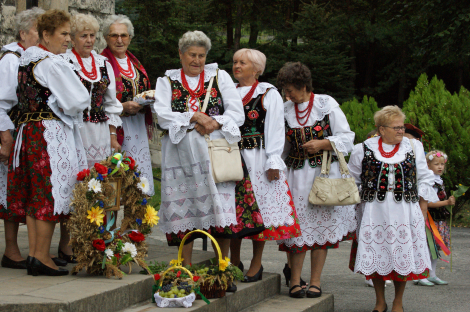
(445, 118)
(360, 116)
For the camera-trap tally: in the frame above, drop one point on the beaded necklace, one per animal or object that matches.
(387, 154)
(129, 73)
(307, 111)
(21, 46)
(93, 75)
(194, 95)
(249, 95)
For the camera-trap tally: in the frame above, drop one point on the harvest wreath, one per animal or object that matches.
(101, 247)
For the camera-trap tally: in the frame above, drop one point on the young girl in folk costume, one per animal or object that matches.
(439, 214)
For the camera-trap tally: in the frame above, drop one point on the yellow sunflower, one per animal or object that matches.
(223, 263)
(150, 216)
(96, 215)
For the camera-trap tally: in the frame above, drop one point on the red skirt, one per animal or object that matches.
(304, 248)
(29, 190)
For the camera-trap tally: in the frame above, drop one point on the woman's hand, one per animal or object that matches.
(115, 144)
(7, 143)
(316, 146)
(131, 107)
(204, 124)
(273, 174)
(451, 201)
(423, 204)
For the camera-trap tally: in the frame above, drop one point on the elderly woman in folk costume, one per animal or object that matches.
(396, 186)
(262, 144)
(131, 79)
(190, 197)
(26, 36)
(100, 120)
(313, 123)
(48, 150)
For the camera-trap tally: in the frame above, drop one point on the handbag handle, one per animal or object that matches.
(208, 95)
(328, 155)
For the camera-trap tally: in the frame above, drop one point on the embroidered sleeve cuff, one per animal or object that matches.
(274, 162)
(229, 129)
(340, 146)
(114, 120)
(427, 192)
(179, 126)
(5, 122)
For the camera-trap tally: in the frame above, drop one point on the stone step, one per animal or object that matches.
(247, 295)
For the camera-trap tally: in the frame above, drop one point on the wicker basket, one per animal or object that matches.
(211, 292)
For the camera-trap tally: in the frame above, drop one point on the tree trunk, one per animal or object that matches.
(238, 26)
(295, 13)
(370, 66)
(460, 75)
(402, 79)
(254, 28)
(228, 16)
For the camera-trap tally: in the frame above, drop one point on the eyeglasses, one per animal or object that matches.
(116, 36)
(402, 128)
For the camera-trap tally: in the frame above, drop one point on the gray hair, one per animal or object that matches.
(118, 19)
(81, 22)
(194, 38)
(26, 19)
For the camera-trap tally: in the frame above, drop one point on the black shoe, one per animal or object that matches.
(386, 308)
(68, 258)
(257, 277)
(311, 294)
(287, 275)
(38, 268)
(241, 267)
(8, 263)
(59, 262)
(29, 264)
(232, 288)
(298, 294)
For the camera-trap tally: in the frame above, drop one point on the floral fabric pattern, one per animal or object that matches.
(96, 113)
(30, 189)
(304, 248)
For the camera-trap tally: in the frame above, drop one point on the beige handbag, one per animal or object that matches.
(226, 161)
(334, 192)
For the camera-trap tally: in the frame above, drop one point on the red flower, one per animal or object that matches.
(213, 92)
(136, 236)
(239, 210)
(249, 199)
(99, 244)
(317, 128)
(252, 115)
(196, 278)
(130, 162)
(82, 174)
(290, 132)
(101, 170)
(176, 94)
(248, 186)
(326, 127)
(384, 171)
(178, 274)
(257, 217)
(156, 277)
(382, 187)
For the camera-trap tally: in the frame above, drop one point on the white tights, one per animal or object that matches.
(432, 272)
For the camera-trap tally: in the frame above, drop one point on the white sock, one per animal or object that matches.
(432, 273)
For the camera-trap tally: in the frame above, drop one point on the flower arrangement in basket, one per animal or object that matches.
(102, 247)
(206, 283)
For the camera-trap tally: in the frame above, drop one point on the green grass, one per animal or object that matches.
(155, 200)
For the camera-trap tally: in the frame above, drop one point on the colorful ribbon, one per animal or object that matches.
(118, 161)
(112, 218)
(432, 229)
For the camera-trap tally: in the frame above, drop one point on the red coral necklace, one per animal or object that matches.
(129, 73)
(387, 154)
(93, 75)
(194, 95)
(21, 46)
(307, 111)
(43, 47)
(249, 95)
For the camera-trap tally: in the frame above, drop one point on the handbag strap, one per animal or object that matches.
(204, 107)
(327, 159)
(343, 166)
(208, 95)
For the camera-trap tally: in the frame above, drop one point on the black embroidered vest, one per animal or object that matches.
(100, 87)
(132, 87)
(180, 98)
(441, 213)
(374, 178)
(10, 52)
(252, 131)
(299, 136)
(32, 97)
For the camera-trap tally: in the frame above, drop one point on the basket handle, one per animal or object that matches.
(172, 268)
(180, 250)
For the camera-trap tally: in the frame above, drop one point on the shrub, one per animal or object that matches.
(360, 116)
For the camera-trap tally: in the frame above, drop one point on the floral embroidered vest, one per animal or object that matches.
(252, 131)
(180, 97)
(97, 113)
(132, 87)
(374, 178)
(299, 136)
(441, 213)
(32, 97)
